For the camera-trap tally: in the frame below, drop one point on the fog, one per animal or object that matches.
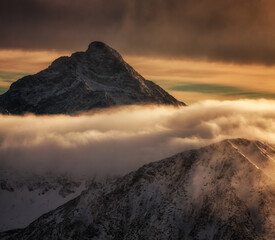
(118, 140)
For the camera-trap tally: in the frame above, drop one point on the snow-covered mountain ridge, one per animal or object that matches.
(96, 78)
(221, 191)
(25, 197)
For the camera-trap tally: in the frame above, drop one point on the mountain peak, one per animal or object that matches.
(97, 48)
(96, 78)
(97, 45)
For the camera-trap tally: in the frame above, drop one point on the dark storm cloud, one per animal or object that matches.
(229, 30)
(46, 24)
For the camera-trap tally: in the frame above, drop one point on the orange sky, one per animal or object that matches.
(167, 72)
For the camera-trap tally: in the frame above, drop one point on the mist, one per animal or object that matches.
(118, 140)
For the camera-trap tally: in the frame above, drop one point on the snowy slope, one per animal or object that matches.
(222, 191)
(96, 78)
(25, 198)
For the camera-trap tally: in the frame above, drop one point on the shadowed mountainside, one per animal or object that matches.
(96, 78)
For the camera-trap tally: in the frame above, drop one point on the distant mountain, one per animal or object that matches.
(222, 191)
(25, 197)
(96, 78)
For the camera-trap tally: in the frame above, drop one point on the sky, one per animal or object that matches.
(196, 50)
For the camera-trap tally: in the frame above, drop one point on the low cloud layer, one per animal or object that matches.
(118, 140)
(230, 30)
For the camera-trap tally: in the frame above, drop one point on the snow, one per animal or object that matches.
(22, 206)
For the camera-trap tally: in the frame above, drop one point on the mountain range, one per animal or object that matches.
(222, 191)
(97, 78)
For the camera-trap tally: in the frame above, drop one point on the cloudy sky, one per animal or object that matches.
(195, 49)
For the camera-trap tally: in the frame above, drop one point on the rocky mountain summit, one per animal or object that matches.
(96, 78)
(222, 191)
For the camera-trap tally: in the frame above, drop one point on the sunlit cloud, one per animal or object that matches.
(192, 81)
(168, 71)
(22, 61)
(118, 140)
(219, 91)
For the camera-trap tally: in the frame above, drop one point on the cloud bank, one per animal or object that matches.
(230, 30)
(119, 140)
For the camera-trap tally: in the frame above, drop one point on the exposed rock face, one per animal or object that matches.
(216, 192)
(96, 78)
